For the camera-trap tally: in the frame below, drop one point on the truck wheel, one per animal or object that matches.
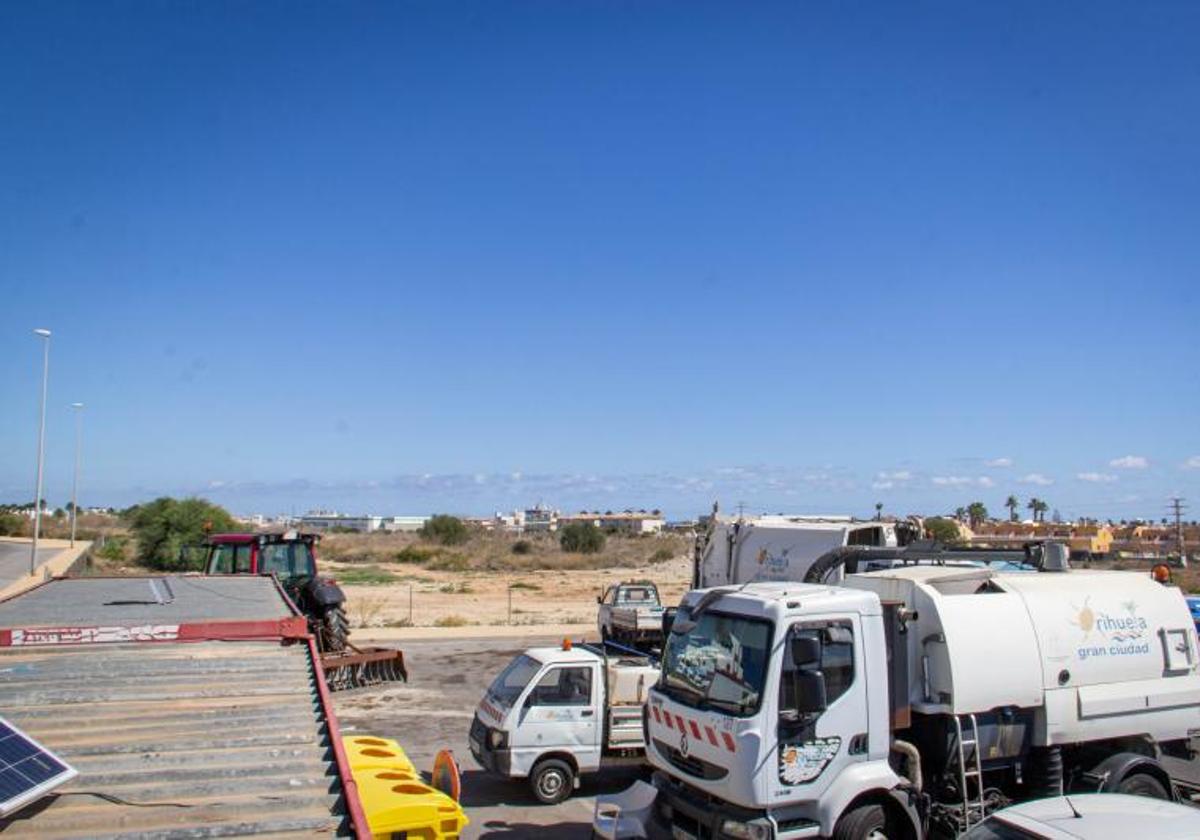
(1142, 784)
(866, 822)
(552, 781)
(335, 629)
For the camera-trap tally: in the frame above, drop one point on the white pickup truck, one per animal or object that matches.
(631, 613)
(556, 712)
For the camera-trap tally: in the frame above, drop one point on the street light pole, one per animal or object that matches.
(44, 334)
(75, 481)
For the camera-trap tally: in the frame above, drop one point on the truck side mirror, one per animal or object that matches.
(805, 650)
(599, 599)
(668, 619)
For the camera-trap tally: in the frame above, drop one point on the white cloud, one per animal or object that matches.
(999, 462)
(1192, 463)
(1129, 462)
(1036, 478)
(882, 485)
(899, 475)
(961, 481)
(1096, 477)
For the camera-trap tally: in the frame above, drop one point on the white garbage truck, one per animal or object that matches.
(555, 713)
(912, 702)
(760, 548)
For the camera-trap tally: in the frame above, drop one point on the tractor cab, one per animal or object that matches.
(291, 558)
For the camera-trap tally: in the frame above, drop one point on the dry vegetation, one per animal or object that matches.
(492, 579)
(498, 552)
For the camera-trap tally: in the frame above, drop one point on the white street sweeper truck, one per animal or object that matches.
(912, 702)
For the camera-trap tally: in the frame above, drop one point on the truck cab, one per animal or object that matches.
(741, 721)
(555, 713)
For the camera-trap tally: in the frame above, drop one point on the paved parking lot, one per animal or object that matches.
(14, 560)
(434, 710)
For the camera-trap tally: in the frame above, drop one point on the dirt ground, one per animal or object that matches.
(433, 711)
(477, 598)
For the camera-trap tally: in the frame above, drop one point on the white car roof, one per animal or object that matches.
(1101, 816)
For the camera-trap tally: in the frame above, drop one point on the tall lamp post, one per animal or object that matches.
(44, 334)
(75, 481)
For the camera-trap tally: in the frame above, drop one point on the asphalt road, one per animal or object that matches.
(14, 560)
(433, 711)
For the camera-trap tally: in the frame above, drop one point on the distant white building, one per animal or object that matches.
(325, 520)
(628, 521)
(406, 524)
(540, 518)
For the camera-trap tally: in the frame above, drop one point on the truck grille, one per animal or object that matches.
(697, 767)
(478, 730)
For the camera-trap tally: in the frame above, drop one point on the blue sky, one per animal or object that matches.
(426, 256)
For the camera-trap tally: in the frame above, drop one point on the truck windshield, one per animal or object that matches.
(721, 663)
(507, 687)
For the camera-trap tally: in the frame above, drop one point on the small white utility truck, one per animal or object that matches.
(912, 702)
(760, 548)
(631, 613)
(555, 713)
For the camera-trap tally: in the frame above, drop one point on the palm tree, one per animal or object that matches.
(878, 511)
(977, 513)
(960, 513)
(1042, 508)
(1034, 505)
(1012, 503)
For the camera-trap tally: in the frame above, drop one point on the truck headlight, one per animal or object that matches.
(745, 830)
(497, 739)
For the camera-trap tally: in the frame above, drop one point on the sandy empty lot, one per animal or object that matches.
(474, 599)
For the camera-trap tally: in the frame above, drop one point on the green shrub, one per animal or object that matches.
(447, 530)
(662, 555)
(415, 554)
(166, 525)
(582, 538)
(524, 584)
(942, 530)
(13, 524)
(114, 549)
(522, 547)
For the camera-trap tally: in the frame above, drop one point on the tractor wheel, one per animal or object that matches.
(335, 629)
(552, 781)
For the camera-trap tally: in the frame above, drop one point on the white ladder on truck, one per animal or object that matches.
(973, 810)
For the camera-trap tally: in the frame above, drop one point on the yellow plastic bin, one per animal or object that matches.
(396, 805)
(366, 752)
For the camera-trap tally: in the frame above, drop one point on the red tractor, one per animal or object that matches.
(292, 558)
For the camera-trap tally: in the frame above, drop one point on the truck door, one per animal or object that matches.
(814, 747)
(560, 712)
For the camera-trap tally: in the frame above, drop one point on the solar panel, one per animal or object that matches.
(27, 769)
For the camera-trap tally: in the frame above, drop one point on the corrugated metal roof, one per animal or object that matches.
(132, 601)
(177, 740)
